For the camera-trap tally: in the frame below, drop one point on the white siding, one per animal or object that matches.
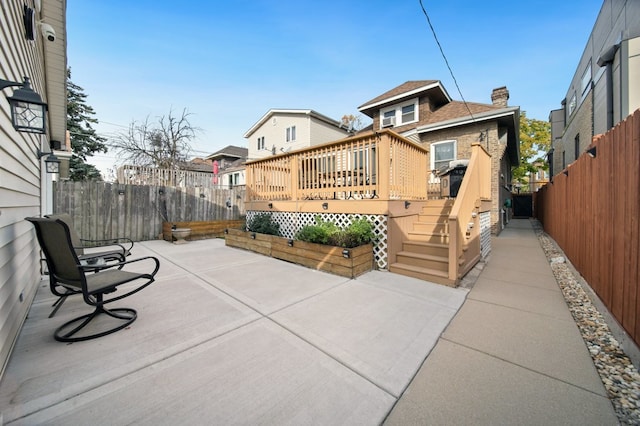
(322, 132)
(309, 131)
(20, 177)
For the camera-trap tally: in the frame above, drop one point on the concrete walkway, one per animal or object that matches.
(227, 336)
(512, 354)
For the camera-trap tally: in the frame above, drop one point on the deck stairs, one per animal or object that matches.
(425, 251)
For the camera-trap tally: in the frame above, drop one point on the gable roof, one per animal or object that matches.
(407, 90)
(308, 112)
(229, 151)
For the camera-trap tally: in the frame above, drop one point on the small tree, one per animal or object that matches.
(535, 142)
(84, 140)
(351, 122)
(164, 144)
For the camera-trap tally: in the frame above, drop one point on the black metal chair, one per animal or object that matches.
(93, 281)
(112, 250)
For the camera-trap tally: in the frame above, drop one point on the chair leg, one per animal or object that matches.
(128, 315)
(57, 305)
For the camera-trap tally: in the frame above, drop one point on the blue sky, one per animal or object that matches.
(228, 63)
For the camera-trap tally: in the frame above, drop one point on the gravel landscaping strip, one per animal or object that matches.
(619, 376)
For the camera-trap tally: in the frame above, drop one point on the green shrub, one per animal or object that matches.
(263, 223)
(358, 233)
(319, 233)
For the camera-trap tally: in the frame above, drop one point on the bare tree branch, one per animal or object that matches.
(164, 144)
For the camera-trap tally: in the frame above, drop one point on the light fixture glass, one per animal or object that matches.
(51, 162)
(28, 112)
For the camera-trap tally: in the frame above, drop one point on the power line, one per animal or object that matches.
(433, 31)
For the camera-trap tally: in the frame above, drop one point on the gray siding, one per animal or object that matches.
(20, 177)
(609, 99)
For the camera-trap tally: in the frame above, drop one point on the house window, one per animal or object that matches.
(389, 118)
(234, 180)
(260, 143)
(291, 134)
(586, 79)
(408, 113)
(572, 105)
(576, 146)
(399, 114)
(442, 153)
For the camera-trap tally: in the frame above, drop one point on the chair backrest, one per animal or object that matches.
(75, 238)
(55, 241)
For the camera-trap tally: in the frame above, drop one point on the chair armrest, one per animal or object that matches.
(120, 265)
(122, 242)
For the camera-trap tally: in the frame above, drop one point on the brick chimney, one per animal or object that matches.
(500, 96)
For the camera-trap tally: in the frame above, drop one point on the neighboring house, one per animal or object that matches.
(423, 112)
(283, 130)
(228, 166)
(605, 88)
(33, 45)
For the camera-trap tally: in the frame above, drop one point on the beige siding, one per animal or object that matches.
(309, 131)
(20, 178)
(322, 132)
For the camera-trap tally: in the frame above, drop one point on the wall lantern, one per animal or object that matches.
(592, 152)
(253, 235)
(28, 112)
(407, 204)
(270, 205)
(325, 206)
(346, 253)
(290, 243)
(52, 163)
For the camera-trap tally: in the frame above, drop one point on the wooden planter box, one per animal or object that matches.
(201, 229)
(316, 256)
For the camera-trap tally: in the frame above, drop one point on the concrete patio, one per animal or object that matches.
(227, 336)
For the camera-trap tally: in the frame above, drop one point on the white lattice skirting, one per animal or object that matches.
(485, 234)
(291, 222)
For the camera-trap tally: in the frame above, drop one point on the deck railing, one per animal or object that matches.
(464, 229)
(375, 165)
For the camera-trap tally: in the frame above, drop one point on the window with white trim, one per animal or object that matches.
(291, 134)
(408, 113)
(442, 153)
(400, 114)
(260, 143)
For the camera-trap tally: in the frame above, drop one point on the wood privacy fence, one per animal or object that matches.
(592, 211)
(104, 210)
(140, 175)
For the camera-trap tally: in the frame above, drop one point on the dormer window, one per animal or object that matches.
(408, 113)
(400, 114)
